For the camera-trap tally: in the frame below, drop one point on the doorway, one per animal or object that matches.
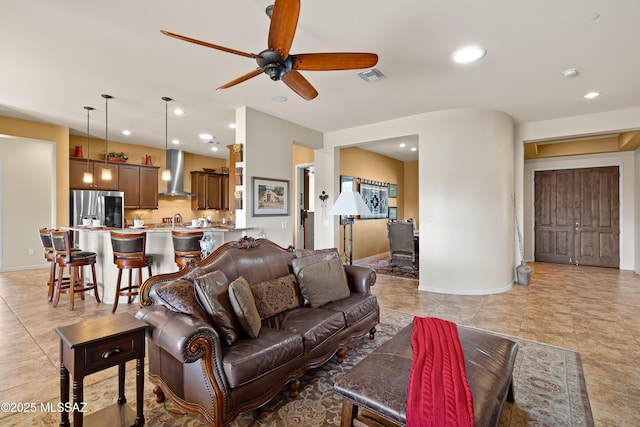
(305, 212)
(577, 216)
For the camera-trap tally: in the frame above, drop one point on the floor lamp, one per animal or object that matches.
(349, 204)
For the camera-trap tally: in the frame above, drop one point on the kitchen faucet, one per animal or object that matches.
(173, 220)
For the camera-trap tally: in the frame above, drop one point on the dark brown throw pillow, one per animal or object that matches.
(244, 306)
(323, 282)
(179, 295)
(212, 290)
(276, 295)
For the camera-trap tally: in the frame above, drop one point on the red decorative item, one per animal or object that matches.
(78, 151)
(116, 160)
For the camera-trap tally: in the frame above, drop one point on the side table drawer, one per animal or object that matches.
(114, 351)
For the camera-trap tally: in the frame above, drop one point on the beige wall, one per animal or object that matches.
(58, 135)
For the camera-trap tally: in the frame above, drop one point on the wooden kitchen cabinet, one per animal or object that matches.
(140, 186)
(211, 191)
(77, 168)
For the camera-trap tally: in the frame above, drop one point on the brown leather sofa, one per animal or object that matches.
(205, 365)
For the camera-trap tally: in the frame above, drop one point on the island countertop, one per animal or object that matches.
(159, 244)
(158, 228)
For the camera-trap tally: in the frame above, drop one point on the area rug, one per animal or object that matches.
(381, 266)
(549, 391)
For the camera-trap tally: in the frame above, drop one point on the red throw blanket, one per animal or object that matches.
(439, 393)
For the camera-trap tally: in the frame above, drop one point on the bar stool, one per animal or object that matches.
(49, 255)
(129, 253)
(74, 260)
(186, 247)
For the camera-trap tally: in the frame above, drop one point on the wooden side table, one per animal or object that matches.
(94, 345)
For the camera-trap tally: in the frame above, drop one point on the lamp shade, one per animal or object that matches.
(349, 203)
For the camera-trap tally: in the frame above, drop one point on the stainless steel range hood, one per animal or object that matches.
(175, 163)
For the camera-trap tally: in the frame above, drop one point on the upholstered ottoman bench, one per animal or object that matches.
(378, 385)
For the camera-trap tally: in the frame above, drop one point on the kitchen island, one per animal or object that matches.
(159, 244)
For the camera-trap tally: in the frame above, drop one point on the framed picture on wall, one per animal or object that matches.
(393, 191)
(376, 198)
(347, 183)
(393, 212)
(270, 197)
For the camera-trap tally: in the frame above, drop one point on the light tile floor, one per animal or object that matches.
(591, 310)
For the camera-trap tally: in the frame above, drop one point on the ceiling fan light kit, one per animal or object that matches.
(278, 64)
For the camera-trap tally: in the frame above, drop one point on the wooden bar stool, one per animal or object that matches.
(74, 260)
(186, 247)
(129, 253)
(49, 255)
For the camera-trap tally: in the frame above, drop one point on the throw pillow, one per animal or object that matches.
(276, 295)
(318, 256)
(212, 290)
(244, 306)
(178, 295)
(323, 282)
(301, 253)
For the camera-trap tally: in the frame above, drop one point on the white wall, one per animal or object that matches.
(28, 200)
(466, 173)
(268, 153)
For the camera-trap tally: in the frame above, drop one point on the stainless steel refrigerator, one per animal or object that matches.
(107, 206)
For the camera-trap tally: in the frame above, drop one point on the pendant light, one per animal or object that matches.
(166, 174)
(106, 171)
(88, 175)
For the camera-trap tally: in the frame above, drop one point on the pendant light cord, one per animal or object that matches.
(88, 147)
(106, 127)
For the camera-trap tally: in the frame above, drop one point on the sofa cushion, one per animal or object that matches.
(179, 295)
(315, 325)
(322, 282)
(249, 359)
(244, 306)
(212, 290)
(276, 295)
(355, 308)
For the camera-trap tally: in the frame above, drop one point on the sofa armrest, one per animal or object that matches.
(182, 336)
(360, 278)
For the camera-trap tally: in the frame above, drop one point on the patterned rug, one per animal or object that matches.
(381, 266)
(549, 391)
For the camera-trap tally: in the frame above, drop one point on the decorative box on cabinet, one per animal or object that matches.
(77, 168)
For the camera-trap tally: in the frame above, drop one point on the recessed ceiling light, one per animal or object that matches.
(205, 136)
(402, 145)
(126, 132)
(414, 149)
(468, 54)
(176, 141)
(178, 112)
(279, 98)
(214, 148)
(232, 125)
(592, 95)
(570, 72)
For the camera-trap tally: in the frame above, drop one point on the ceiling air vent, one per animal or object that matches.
(371, 75)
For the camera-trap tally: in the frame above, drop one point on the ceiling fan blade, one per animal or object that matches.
(299, 85)
(334, 61)
(284, 20)
(241, 79)
(207, 44)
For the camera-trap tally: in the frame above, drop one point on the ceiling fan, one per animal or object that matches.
(278, 64)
